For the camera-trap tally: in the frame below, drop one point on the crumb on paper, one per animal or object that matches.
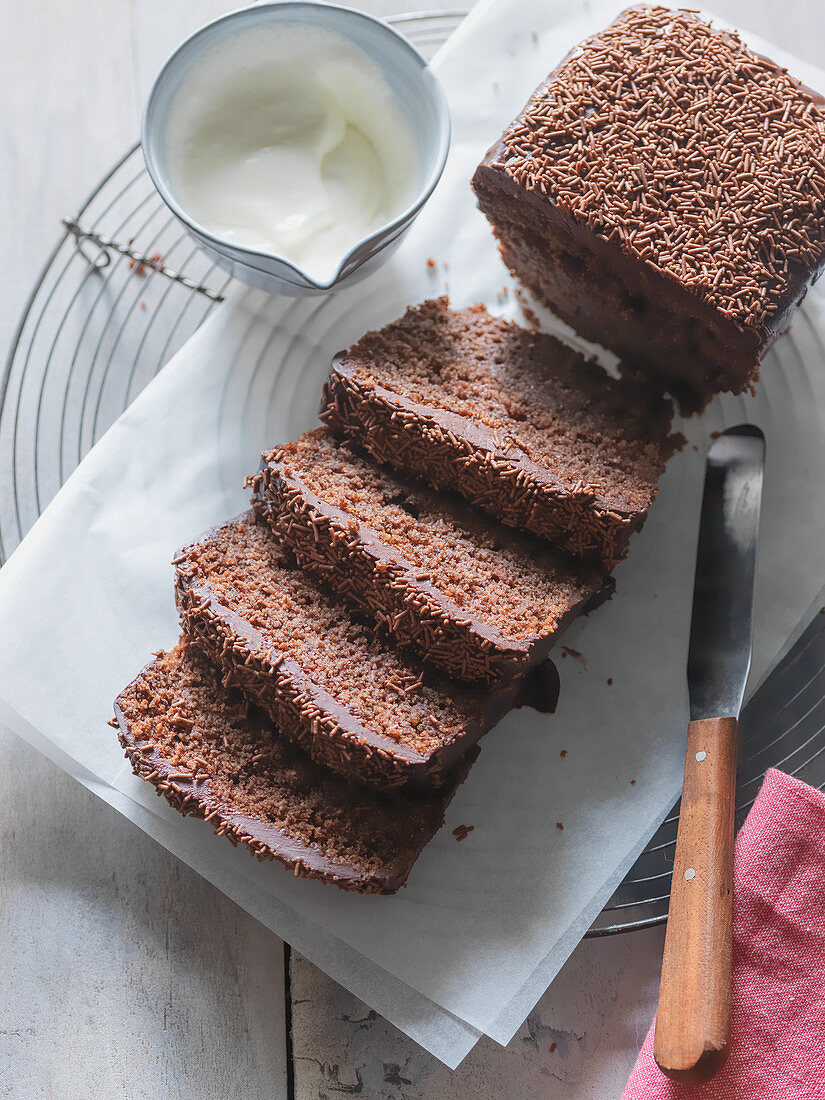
(560, 825)
(534, 37)
(463, 831)
(495, 85)
(715, 435)
(503, 294)
(553, 1047)
(610, 681)
(632, 781)
(445, 264)
(695, 447)
(143, 303)
(568, 651)
(431, 263)
(563, 752)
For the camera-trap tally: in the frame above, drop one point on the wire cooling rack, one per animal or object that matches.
(123, 290)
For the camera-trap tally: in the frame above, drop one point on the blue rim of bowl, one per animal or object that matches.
(407, 215)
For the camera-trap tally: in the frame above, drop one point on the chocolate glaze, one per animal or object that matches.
(541, 688)
(740, 349)
(325, 728)
(385, 584)
(741, 346)
(479, 436)
(192, 795)
(454, 452)
(658, 283)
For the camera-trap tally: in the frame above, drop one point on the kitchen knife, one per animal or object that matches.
(693, 1019)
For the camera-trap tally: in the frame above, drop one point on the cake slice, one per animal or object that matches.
(212, 755)
(663, 191)
(518, 423)
(351, 701)
(479, 600)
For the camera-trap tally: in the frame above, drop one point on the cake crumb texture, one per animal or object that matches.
(353, 701)
(517, 422)
(411, 555)
(213, 755)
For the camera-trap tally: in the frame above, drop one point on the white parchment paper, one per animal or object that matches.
(484, 925)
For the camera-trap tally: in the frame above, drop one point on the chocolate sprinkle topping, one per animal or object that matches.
(694, 154)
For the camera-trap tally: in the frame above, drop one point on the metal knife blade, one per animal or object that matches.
(721, 632)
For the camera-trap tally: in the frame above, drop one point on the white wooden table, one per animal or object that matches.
(124, 973)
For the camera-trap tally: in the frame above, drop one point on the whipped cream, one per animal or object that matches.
(288, 140)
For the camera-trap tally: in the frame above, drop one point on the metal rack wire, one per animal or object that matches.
(122, 291)
(783, 726)
(124, 288)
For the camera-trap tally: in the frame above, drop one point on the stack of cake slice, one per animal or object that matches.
(348, 641)
(324, 677)
(405, 571)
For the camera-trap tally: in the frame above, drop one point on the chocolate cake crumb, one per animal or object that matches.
(568, 651)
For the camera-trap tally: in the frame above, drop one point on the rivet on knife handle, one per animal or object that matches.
(693, 1019)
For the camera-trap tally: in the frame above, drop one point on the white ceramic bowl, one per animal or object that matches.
(417, 92)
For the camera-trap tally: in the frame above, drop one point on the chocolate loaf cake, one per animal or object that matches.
(212, 755)
(479, 600)
(349, 699)
(518, 423)
(663, 191)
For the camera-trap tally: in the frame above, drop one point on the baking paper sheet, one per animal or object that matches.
(484, 925)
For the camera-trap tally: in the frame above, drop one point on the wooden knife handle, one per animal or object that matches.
(693, 1018)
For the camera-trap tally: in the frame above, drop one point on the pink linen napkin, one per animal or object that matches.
(778, 1028)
